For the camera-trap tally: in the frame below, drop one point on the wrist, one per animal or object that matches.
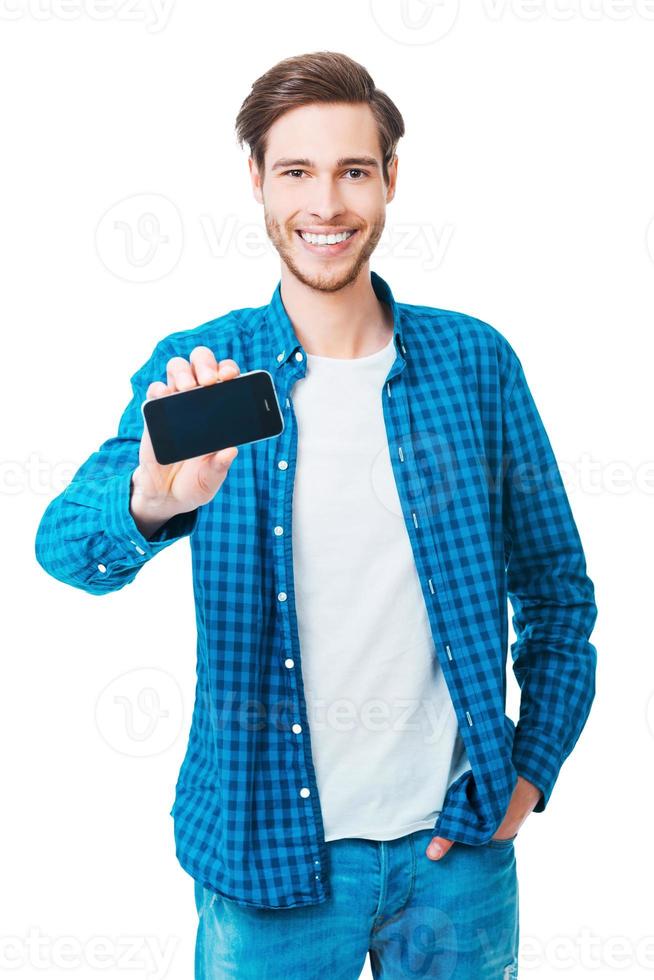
(526, 795)
(150, 511)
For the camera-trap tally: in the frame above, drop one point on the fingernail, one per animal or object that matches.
(434, 851)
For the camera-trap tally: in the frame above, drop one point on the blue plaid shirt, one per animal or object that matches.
(487, 516)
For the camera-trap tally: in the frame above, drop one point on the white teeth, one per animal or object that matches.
(325, 239)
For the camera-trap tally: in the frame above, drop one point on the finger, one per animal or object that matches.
(228, 368)
(204, 364)
(180, 374)
(438, 846)
(156, 389)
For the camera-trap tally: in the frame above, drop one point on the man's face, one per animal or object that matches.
(323, 174)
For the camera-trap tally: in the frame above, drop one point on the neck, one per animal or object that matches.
(349, 322)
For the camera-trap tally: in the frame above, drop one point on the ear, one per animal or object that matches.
(255, 178)
(392, 179)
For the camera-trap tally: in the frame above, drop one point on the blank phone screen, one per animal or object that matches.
(211, 417)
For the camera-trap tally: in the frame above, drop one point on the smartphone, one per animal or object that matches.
(211, 417)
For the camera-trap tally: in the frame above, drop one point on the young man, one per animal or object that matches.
(364, 558)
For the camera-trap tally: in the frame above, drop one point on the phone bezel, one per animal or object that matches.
(186, 391)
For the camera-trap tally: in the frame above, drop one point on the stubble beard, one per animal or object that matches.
(328, 281)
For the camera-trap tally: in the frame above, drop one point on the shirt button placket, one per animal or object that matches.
(416, 524)
(289, 663)
(282, 464)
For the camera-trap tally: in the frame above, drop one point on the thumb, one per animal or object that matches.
(438, 846)
(224, 456)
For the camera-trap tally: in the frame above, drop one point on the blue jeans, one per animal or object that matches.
(452, 919)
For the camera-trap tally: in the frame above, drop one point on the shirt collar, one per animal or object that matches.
(283, 338)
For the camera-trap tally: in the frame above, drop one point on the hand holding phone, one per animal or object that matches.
(160, 491)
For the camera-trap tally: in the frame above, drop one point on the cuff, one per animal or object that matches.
(534, 759)
(119, 524)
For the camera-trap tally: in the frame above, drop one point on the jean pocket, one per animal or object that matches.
(501, 841)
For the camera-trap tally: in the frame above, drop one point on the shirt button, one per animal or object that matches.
(279, 530)
(102, 568)
(305, 791)
(298, 355)
(282, 464)
(280, 357)
(289, 663)
(297, 728)
(281, 596)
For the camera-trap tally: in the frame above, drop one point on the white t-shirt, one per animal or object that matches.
(384, 736)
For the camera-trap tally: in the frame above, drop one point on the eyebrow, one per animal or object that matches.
(341, 162)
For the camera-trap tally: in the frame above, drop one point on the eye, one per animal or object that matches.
(352, 170)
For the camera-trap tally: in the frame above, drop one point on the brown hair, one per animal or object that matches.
(321, 76)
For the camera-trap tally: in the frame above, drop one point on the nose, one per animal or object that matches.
(325, 202)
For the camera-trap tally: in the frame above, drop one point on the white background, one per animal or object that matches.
(524, 197)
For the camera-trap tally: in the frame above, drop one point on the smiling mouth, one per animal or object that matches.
(326, 248)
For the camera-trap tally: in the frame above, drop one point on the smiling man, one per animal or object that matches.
(352, 783)
(325, 217)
